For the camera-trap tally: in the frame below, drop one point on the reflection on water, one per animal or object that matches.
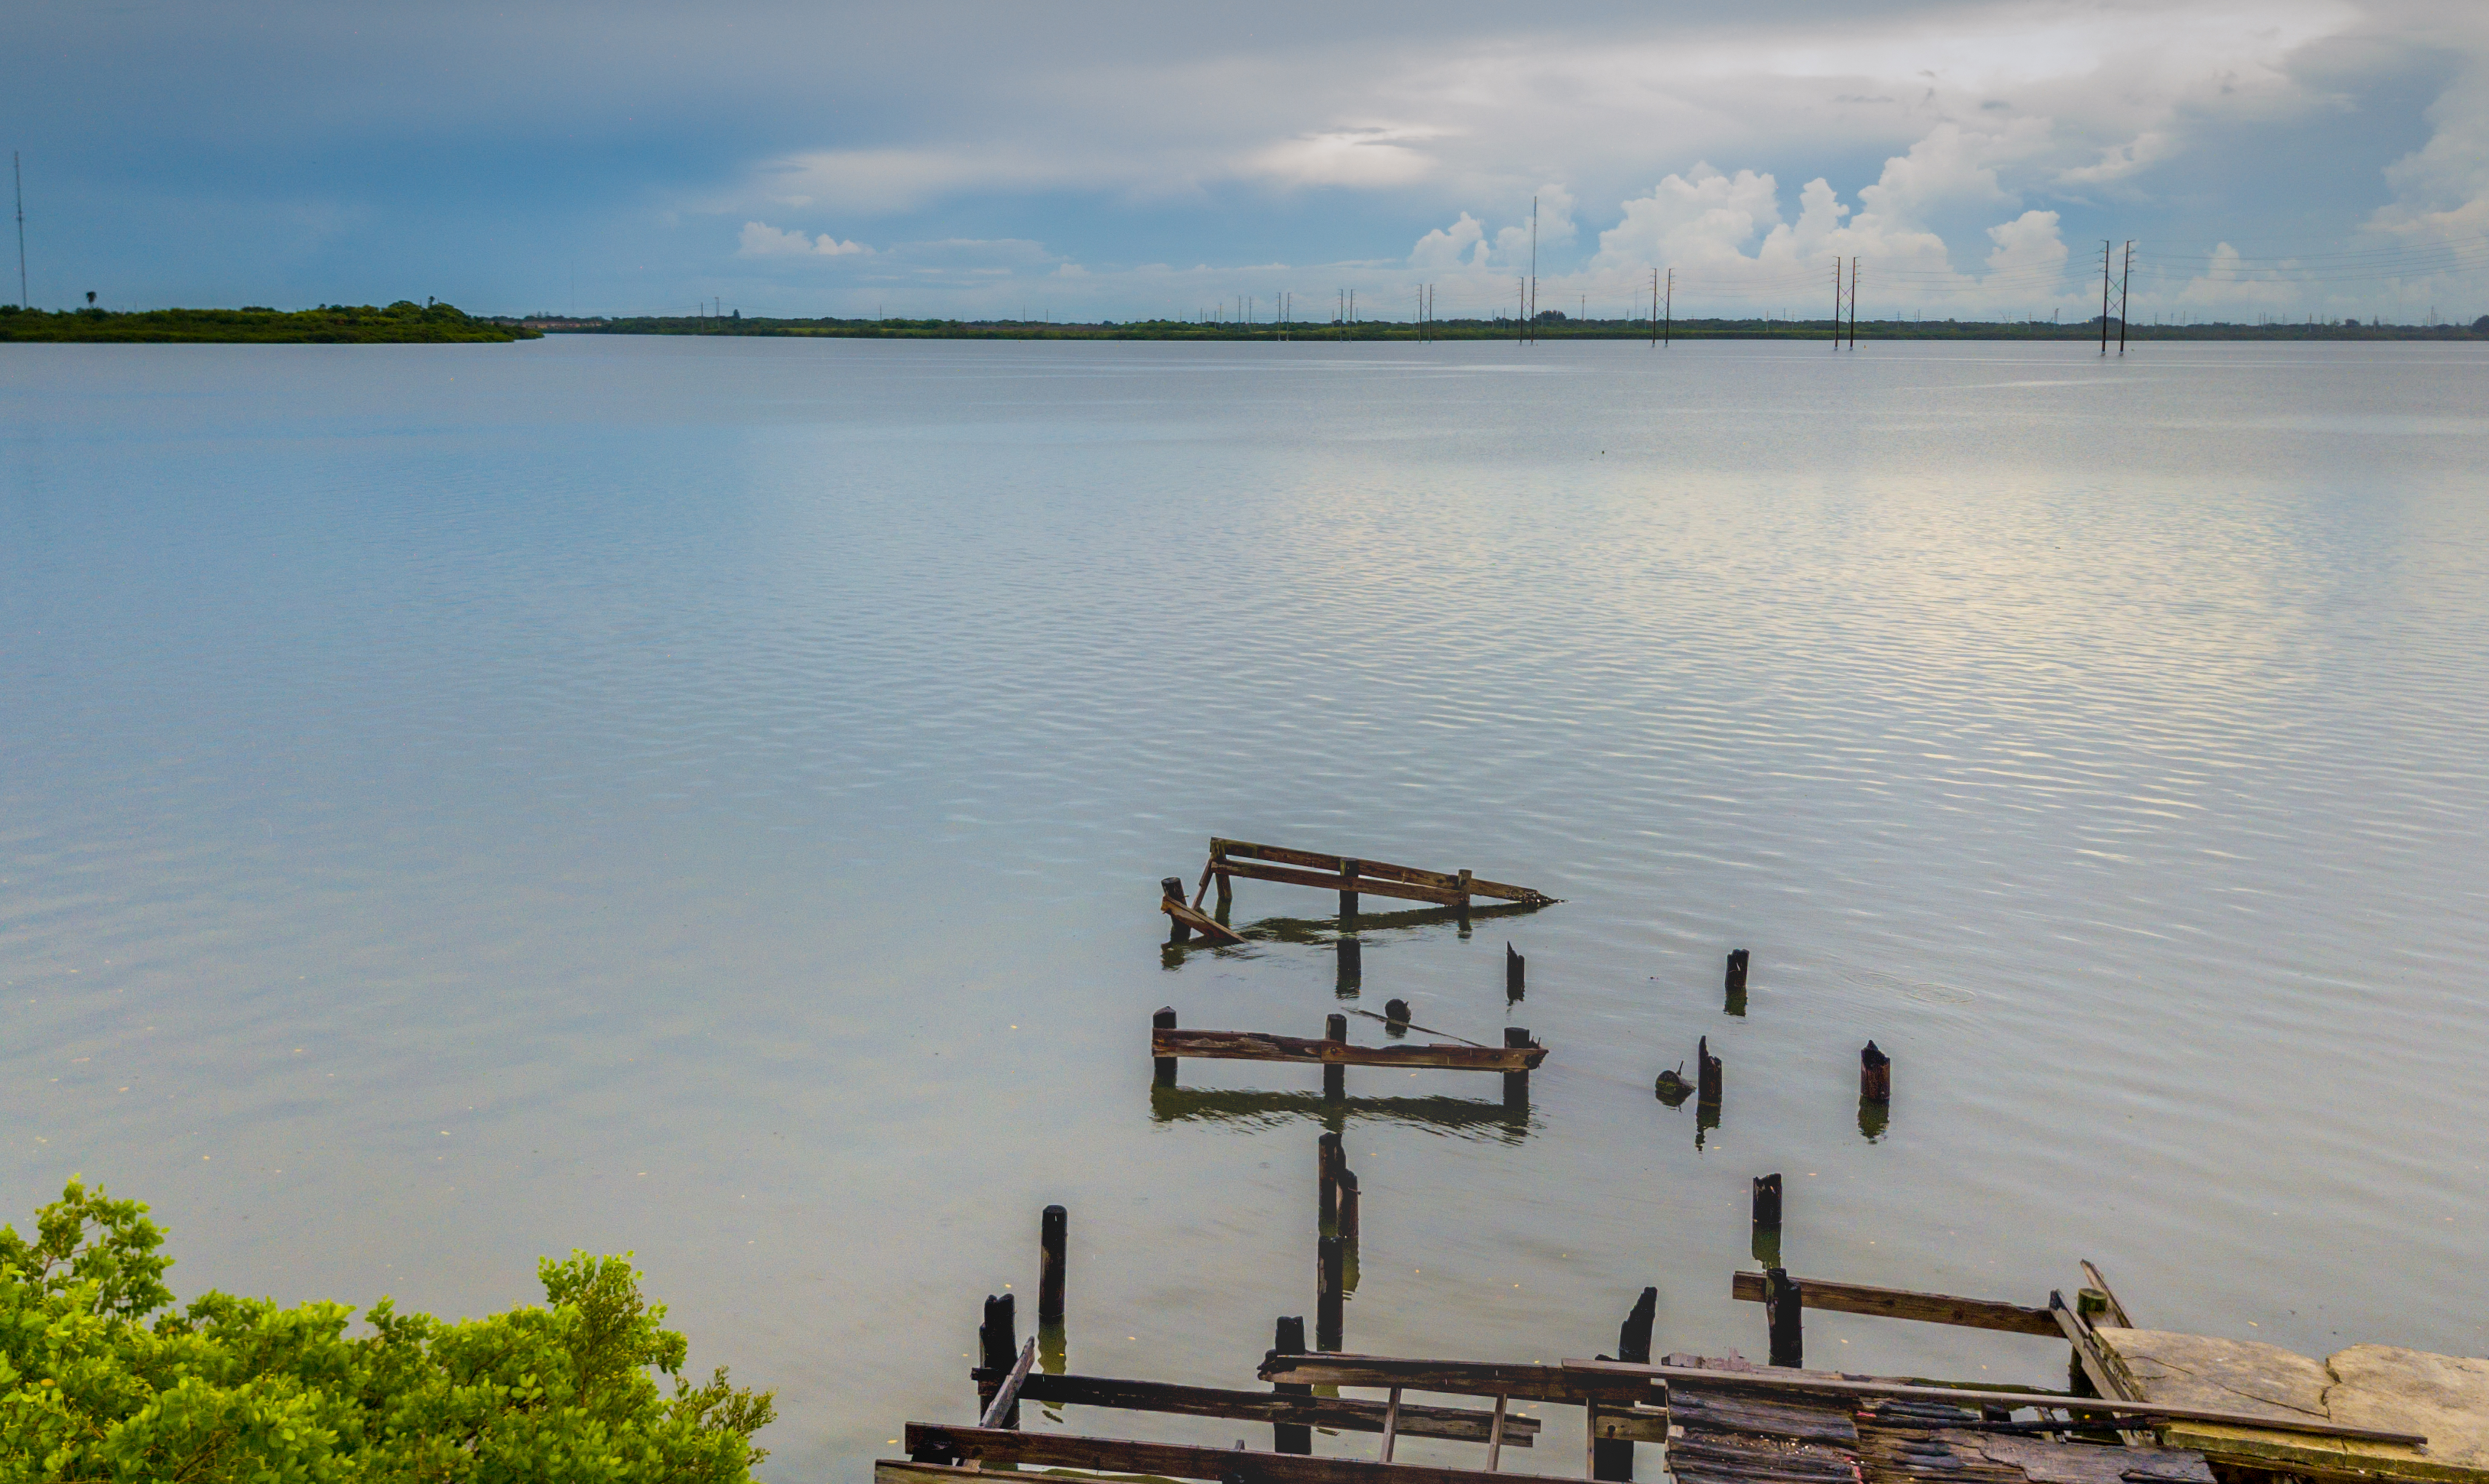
(702, 798)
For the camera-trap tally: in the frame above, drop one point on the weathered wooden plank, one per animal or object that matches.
(1199, 921)
(1007, 1394)
(1460, 1424)
(1262, 1047)
(2103, 1405)
(1901, 1304)
(2116, 1310)
(1456, 1378)
(1237, 855)
(1066, 1450)
(901, 1470)
(1366, 885)
(1720, 1411)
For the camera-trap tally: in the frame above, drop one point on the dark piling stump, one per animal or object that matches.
(1513, 964)
(1349, 1217)
(1874, 1075)
(1164, 1065)
(1672, 1087)
(1335, 1075)
(1053, 1236)
(1736, 1003)
(1767, 1220)
(1395, 1018)
(1516, 1084)
(1226, 894)
(1613, 1458)
(998, 1343)
(1331, 1277)
(1348, 895)
(1172, 889)
(1783, 1305)
(1708, 1076)
(1352, 966)
(1289, 1339)
(1326, 1167)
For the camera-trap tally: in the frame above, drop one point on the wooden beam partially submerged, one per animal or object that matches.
(1356, 874)
(1456, 1378)
(1901, 1304)
(988, 1447)
(1208, 926)
(2146, 1412)
(1460, 1424)
(1262, 1047)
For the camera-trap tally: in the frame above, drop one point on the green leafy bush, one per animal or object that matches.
(102, 1378)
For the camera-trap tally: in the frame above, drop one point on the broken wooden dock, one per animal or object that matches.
(1352, 876)
(1515, 1059)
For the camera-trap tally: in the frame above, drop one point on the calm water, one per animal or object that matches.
(706, 798)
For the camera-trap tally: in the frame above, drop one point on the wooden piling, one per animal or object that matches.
(1516, 1084)
(1331, 1278)
(1326, 1167)
(1347, 893)
(998, 1342)
(1164, 1020)
(1613, 1458)
(1350, 1217)
(1171, 889)
(1783, 1307)
(1874, 1075)
(1737, 960)
(1768, 1201)
(1512, 974)
(1352, 965)
(1053, 1233)
(1335, 1074)
(1291, 1436)
(1707, 1077)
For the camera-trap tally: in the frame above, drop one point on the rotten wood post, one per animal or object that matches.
(1347, 892)
(998, 1343)
(1164, 1020)
(1331, 1273)
(1327, 1167)
(1874, 1075)
(1466, 878)
(1226, 891)
(1291, 1436)
(1783, 1307)
(1613, 1458)
(1335, 1075)
(1349, 1215)
(1708, 1076)
(1516, 1084)
(1172, 889)
(1766, 1243)
(1512, 974)
(1736, 1003)
(1352, 965)
(1052, 1232)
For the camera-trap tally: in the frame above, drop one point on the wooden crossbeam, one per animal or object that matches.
(1122, 1455)
(1901, 1304)
(1262, 1047)
(2147, 1412)
(1460, 1424)
(1456, 1378)
(1200, 922)
(1011, 1384)
(1377, 879)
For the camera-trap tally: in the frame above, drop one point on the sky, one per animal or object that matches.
(1080, 160)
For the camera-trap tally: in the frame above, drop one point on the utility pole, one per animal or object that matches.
(1532, 308)
(1853, 304)
(1835, 304)
(2104, 246)
(1668, 335)
(2124, 281)
(1654, 308)
(18, 166)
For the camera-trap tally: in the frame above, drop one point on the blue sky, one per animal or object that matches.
(1079, 160)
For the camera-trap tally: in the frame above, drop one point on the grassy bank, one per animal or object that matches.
(402, 322)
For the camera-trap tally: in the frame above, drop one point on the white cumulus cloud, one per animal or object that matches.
(763, 240)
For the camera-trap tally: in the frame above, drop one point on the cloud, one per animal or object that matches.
(2120, 161)
(1378, 156)
(1444, 247)
(762, 240)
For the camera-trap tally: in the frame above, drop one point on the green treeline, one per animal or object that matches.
(1551, 327)
(405, 321)
(103, 1377)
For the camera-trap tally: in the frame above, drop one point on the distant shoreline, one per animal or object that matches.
(404, 323)
(1483, 330)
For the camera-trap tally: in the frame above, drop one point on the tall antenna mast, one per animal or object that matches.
(19, 167)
